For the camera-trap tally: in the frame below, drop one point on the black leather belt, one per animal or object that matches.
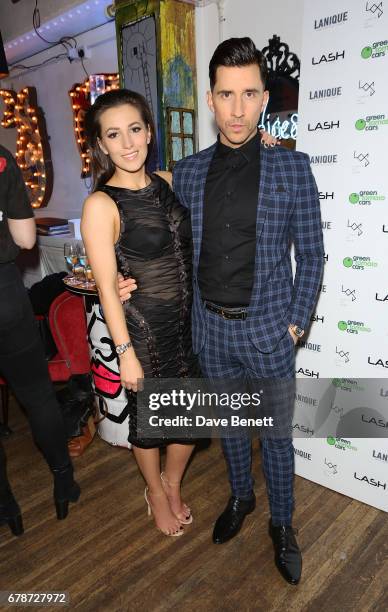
(227, 313)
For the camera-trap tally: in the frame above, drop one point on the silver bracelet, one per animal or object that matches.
(121, 348)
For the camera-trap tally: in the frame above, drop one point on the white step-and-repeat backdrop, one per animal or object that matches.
(341, 418)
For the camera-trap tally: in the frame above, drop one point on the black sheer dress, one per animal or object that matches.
(155, 248)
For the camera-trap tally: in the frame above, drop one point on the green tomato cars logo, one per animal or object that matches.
(360, 124)
(366, 197)
(346, 384)
(353, 327)
(366, 52)
(340, 443)
(371, 122)
(375, 49)
(359, 262)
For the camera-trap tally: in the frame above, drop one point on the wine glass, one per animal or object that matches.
(87, 270)
(70, 250)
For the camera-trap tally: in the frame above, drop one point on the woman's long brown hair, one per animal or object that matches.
(102, 166)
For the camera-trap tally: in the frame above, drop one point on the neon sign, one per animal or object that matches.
(278, 126)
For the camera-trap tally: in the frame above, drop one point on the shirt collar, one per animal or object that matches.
(248, 150)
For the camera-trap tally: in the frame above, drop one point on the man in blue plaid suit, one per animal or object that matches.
(247, 204)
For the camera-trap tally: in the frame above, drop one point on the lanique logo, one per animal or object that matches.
(330, 56)
(326, 225)
(303, 454)
(329, 93)
(331, 20)
(375, 49)
(371, 122)
(353, 327)
(306, 399)
(329, 158)
(366, 197)
(326, 195)
(380, 455)
(310, 346)
(316, 318)
(359, 262)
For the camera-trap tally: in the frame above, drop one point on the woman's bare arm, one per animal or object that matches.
(99, 228)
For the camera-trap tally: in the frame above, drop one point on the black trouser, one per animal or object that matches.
(23, 365)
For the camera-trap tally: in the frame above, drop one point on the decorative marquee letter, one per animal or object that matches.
(81, 99)
(33, 153)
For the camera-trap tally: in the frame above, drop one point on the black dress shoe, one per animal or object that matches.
(288, 558)
(10, 514)
(230, 521)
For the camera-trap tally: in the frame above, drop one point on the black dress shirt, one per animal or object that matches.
(227, 258)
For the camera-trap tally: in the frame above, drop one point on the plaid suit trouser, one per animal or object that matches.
(228, 353)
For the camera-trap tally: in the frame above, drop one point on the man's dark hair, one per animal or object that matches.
(237, 52)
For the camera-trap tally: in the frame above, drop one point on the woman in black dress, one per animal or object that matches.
(132, 224)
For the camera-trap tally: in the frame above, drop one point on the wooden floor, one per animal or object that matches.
(108, 555)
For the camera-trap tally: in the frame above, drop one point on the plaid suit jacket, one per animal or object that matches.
(287, 211)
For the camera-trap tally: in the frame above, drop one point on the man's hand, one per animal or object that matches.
(293, 335)
(126, 286)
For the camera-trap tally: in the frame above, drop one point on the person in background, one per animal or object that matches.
(22, 361)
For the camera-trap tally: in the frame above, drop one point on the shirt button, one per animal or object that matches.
(227, 225)
(226, 256)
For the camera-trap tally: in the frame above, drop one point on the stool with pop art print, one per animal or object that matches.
(111, 398)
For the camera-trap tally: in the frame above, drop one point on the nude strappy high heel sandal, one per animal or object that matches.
(175, 534)
(188, 519)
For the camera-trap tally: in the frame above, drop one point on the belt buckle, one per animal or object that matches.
(223, 314)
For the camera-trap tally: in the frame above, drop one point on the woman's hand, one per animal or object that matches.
(126, 286)
(268, 140)
(130, 370)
